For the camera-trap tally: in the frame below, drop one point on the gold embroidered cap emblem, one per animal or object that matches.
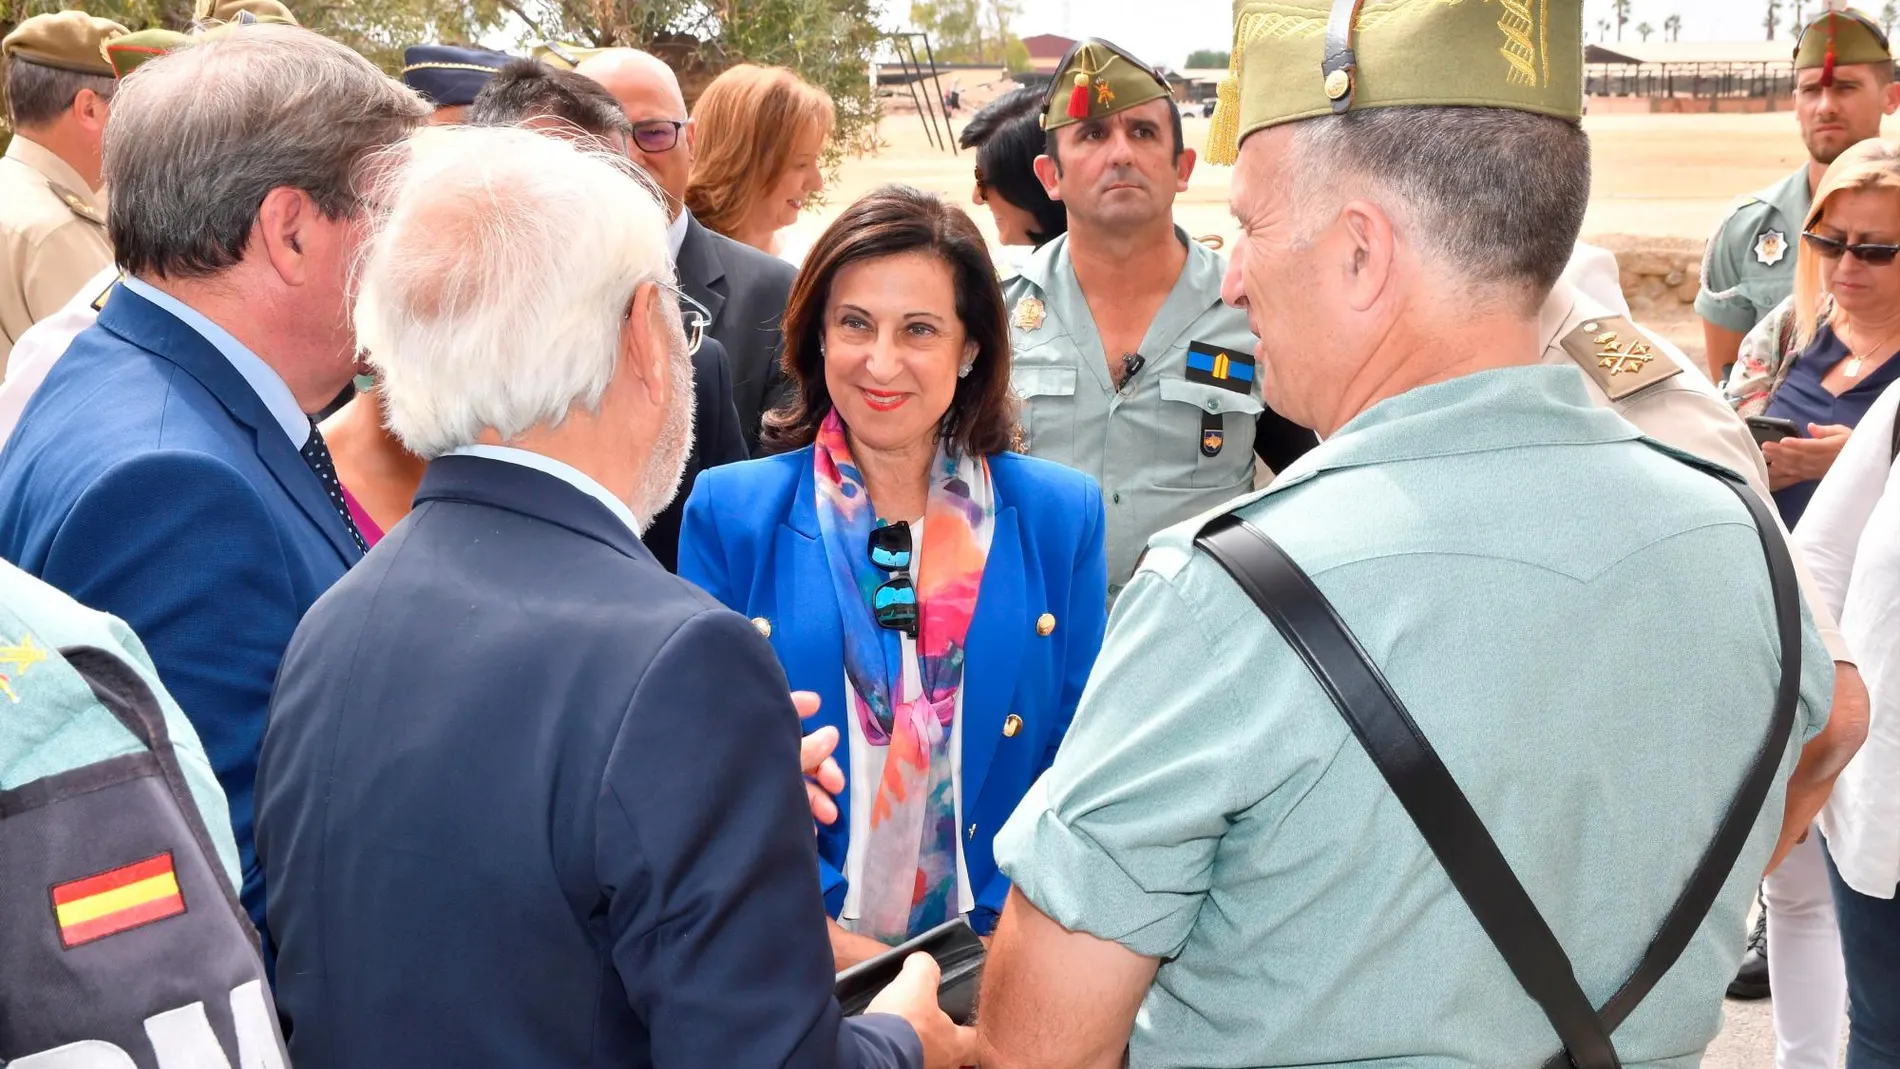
(1029, 312)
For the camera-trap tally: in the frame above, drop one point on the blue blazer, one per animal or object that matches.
(529, 800)
(751, 540)
(148, 480)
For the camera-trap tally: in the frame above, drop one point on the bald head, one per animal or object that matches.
(649, 93)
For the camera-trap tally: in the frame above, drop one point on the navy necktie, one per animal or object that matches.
(316, 454)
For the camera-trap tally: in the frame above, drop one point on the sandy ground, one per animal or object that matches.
(1666, 175)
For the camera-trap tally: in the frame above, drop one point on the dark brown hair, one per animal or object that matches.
(890, 221)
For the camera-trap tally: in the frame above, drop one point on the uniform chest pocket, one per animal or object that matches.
(1204, 436)
(1048, 408)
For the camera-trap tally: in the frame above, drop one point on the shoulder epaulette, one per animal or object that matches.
(1618, 356)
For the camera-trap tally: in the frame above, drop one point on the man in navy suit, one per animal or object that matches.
(528, 799)
(166, 472)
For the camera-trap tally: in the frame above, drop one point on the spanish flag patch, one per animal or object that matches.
(117, 900)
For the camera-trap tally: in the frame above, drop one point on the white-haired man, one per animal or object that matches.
(1411, 758)
(528, 799)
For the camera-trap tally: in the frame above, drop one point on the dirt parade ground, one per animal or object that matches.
(1661, 183)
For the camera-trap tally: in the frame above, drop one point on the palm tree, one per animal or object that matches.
(1795, 24)
(1621, 8)
(1643, 30)
(1603, 29)
(1773, 21)
(1889, 15)
(1672, 26)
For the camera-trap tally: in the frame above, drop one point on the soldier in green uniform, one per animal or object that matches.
(1580, 621)
(1128, 365)
(1844, 83)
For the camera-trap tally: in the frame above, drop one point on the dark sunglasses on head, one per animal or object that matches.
(895, 602)
(658, 135)
(1834, 248)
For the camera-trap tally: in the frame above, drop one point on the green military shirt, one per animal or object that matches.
(1174, 441)
(1748, 267)
(50, 721)
(1581, 625)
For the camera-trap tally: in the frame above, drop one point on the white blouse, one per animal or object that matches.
(867, 768)
(1850, 535)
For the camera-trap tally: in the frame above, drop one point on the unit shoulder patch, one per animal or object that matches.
(1618, 357)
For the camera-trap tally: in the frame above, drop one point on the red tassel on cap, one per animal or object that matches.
(1827, 62)
(1079, 98)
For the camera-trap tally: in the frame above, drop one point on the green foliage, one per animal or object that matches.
(1643, 30)
(828, 42)
(969, 31)
(1016, 59)
(1889, 14)
(1207, 59)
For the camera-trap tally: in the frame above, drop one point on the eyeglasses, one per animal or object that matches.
(658, 135)
(1833, 248)
(895, 602)
(694, 318)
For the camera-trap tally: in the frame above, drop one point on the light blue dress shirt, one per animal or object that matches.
(1582, 627)
(263, 379)
(567, 473)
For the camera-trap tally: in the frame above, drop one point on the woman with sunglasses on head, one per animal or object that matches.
(1813, 367)
(1007, 136)
(943, 595)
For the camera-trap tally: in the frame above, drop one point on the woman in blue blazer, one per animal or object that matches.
(943, 596)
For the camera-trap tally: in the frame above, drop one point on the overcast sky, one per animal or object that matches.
(1166, 31)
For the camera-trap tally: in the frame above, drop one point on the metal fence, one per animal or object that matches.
(1700, 80)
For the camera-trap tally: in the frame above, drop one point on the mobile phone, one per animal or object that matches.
(1771, 429)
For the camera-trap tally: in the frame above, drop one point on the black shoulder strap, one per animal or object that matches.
(1444, 816)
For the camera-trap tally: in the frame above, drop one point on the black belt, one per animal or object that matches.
(1450, 826)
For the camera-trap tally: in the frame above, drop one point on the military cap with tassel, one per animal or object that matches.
(1097, 79)
(64, 40)
(1303, 59)
(128, 53)
(1840, 37)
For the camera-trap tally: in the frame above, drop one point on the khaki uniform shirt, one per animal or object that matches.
(1748, 267)
(1178, 438)
(1653, 384)
(52, 237)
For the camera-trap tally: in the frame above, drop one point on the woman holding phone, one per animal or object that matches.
(1805, 378)
(1820, 358)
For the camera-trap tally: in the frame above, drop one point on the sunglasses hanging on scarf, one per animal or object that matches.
(895, 601)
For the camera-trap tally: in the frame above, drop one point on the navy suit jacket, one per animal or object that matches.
(751, 540)
(528, 799)
(148, 480)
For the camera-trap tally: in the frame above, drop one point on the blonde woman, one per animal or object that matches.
(1818, 361)
(1822, 356)
(760, 134)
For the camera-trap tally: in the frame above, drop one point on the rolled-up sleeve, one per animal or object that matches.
(1118, 838)
(1720, 300)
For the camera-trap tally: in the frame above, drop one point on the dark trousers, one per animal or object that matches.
(1870, 943)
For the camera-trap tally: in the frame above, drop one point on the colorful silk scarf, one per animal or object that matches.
(909, 879)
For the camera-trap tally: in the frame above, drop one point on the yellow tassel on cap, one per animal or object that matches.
(1223, 130)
